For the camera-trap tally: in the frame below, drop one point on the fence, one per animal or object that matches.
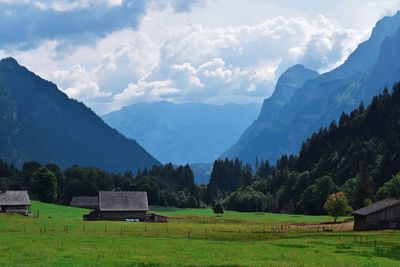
(221, 233)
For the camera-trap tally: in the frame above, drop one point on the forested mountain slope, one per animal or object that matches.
(39, 122)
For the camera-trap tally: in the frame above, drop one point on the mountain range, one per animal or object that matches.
(309, 101)
(39, 122)
(183, 133)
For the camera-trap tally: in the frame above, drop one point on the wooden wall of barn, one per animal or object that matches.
(388, 218)
(122, 215)
(15, 209)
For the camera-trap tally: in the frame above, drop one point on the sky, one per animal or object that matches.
(113, 53)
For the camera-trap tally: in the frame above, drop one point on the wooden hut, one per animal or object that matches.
(120, 206)
(154, 217)
(15, 202)
(85, 202)
(384, 214)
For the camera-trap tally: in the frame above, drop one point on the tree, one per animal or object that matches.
(363, 187)
(217, 208)
(191, 202)
(313, 199)
(337, 205)
(390, 189)
(44, 184)
(247, 199)
(3, 186)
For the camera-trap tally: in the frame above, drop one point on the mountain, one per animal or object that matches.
(288, 83)
(201, 172)
(358, 155)
(277, 131)
(39, 122)
(184, 133)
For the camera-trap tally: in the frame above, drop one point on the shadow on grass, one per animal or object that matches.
(387, 252)
(292, 245)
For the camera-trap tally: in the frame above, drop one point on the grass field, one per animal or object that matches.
(192, 237)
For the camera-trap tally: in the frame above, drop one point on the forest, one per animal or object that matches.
(165, 185)
(359, 155)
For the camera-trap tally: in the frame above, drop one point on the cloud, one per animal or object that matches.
(237, 64)
(77, 21)
(112, 53)
(78, 83)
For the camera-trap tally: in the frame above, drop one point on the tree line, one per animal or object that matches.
(165, 185)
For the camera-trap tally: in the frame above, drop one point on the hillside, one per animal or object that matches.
(183, 133)
(358, 155)
(39, 122)
(373, 65)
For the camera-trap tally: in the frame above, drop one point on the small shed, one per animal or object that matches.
(154, 217)
(120, 206)
(15, 202)
(85, 202)
(384, 214)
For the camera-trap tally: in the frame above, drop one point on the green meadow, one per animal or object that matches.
(192, 237)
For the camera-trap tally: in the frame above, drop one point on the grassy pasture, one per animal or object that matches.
(192, 237)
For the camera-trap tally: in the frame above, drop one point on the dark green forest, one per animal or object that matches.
(165, 185)
(358, 155)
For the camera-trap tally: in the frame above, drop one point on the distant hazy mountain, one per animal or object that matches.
(201, 172)
(184, 133)
(39, 122)
(282, 129)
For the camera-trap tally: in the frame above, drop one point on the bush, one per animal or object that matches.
(247, 199)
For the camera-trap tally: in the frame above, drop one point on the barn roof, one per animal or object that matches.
(123, 201)
(85, 202)
(14, 198)
(377, 206)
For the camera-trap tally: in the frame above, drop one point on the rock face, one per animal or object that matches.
(184, 133)
(321, 99)
(39, 122)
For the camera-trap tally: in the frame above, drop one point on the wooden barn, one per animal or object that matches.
(154, 217)
(85, 202)
(384, 214)
(15, 202)
(120, 206)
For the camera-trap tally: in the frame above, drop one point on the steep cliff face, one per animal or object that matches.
(39, 122)
(290, 81)
(320, 100)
